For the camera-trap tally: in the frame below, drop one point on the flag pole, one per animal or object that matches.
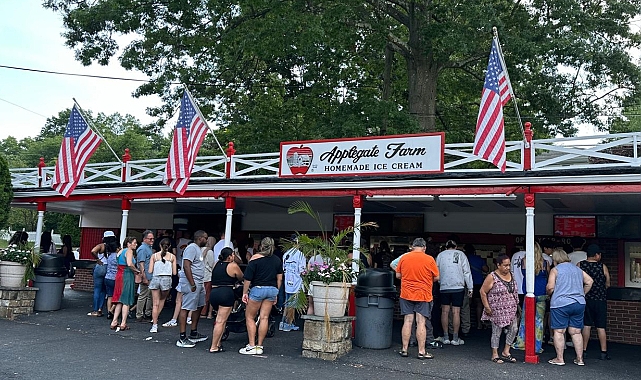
(205, 120)
(495, 34)
(90, 124)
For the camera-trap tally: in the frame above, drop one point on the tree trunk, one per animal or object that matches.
(422, 75)
(422, 72)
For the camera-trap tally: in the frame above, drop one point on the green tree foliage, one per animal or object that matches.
(269, 70)
(6, 191)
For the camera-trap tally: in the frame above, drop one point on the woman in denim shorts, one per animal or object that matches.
(163, 266)
(263, 277)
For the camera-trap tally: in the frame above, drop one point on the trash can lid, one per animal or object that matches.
(377, 277)
(381, 291)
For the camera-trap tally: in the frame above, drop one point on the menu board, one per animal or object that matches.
(569, 225)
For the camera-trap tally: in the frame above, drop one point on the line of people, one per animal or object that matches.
(209, 277)
(575, 285)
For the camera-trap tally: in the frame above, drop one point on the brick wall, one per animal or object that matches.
(624, 322)
(611, 258)
(83, 280)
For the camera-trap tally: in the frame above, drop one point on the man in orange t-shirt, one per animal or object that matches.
(417, 272)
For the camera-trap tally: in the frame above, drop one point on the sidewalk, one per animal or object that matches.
(470, 361)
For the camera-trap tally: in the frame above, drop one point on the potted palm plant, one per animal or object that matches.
(330, 272)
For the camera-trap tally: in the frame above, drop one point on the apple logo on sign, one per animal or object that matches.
(299, 159)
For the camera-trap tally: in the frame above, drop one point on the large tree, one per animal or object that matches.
(270, 70)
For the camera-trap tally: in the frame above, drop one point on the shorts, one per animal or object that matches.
(453, 298)
(110, 285)
(263, 293)
(567, 316)
(192, 300)
(596, 313)
(221, 296)
(411, 307)
(160, 282)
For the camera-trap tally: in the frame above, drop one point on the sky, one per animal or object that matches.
(30, 37)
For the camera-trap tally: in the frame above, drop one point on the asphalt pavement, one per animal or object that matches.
(68, 344)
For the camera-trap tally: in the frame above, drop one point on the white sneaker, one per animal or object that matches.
(446, 341)
(249, 350)
(189, 321)
(185, 343)
(259, 350)
(171, 323)
(457, 342)
(153, 329)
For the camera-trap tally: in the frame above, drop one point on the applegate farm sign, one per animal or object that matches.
(381, 155)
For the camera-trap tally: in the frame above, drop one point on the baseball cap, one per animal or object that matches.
(593, 249)
(108, 234)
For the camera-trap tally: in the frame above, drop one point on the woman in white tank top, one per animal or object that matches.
(162, 265)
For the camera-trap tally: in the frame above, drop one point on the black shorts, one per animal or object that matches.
(596, 314)
(453, 298)
(221, 296)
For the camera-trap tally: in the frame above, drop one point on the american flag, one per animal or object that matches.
(189, 134)
(489, 142)
(78, 144)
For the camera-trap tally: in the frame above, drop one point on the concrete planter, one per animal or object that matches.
(11, 274)
(330, 299)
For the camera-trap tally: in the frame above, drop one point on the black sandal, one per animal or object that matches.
(508, 359)
(498, 360)
(425, 356)
(403, 353)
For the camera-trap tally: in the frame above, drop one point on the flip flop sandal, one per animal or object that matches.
(508, 359)
(122, 328)
(220, 349)
(425, 356)
(403, 354)
(498, 360)
(578, 362)
(551, 361)
(113, 327)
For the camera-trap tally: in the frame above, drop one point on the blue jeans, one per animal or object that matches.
(99, 289)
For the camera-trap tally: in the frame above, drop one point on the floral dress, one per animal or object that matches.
(503, 299)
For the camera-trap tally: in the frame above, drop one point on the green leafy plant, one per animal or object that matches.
(336, 256)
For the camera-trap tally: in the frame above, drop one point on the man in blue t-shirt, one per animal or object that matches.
(479, 268)
(294, 263)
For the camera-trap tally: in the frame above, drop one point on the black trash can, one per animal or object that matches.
(50, 281)
(375, 296)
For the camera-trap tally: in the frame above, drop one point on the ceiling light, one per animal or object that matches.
(401, 198)
(476, 197)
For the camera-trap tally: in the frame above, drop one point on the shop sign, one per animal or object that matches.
(383, 155)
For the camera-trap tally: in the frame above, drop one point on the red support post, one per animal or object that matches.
(125, 167)
(41, 165)
(527, 151)
(230, 203)
(230, 152)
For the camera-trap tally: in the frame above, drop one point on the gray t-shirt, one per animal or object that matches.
(192, 253)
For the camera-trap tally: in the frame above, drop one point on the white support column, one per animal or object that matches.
(529, 249)
(356, 253)
(41, 219)
(230, 203)
(126, 206)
